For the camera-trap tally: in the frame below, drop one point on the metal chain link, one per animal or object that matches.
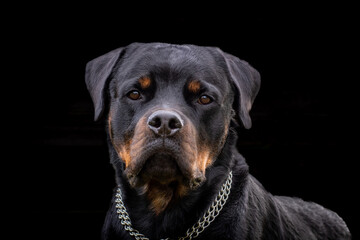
(208, 217)
(125, 219)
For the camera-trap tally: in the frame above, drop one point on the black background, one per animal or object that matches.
(303, 141)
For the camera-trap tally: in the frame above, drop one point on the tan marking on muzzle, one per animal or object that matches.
(207, 154)
(124, 153)
(139, 139)
(189, 149)
(196, 155)
(204, 159)
(122, 149)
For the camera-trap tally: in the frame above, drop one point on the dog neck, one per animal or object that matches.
(208, 217)
(162, 196)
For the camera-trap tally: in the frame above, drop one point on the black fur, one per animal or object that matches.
(250, 212)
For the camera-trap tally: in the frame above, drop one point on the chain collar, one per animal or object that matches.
(208, 217)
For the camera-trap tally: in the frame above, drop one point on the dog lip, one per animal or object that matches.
(158, 146)
(161, 167)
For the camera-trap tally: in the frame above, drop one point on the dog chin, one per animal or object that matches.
(162, 168)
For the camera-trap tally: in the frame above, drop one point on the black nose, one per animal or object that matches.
(165, 123)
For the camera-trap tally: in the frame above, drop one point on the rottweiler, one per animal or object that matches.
(172, 115)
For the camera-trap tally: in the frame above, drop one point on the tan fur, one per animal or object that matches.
(145, 82)
(161, 195)
(197, 156)
(194, 86)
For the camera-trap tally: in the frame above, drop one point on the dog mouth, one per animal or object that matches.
(162, 162)
(161, 167)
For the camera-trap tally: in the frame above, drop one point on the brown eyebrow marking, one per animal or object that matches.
(194, 86)
(145, 82)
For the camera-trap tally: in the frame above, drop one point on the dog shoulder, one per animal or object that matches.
(311, 219)
(290, 218)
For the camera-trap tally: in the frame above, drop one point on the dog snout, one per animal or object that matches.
(165, 123)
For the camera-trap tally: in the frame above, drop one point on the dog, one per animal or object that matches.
(172, 114)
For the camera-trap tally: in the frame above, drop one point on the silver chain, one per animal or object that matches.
(208, 217)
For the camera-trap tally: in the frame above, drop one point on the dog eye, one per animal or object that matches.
(134, 95)
(205, 99)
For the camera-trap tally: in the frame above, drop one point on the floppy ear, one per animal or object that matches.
(246, 82)
(97, 73)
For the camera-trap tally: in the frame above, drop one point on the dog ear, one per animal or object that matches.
(97, 73)
(246, 82)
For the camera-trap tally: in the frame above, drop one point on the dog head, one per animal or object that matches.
(169, 111)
